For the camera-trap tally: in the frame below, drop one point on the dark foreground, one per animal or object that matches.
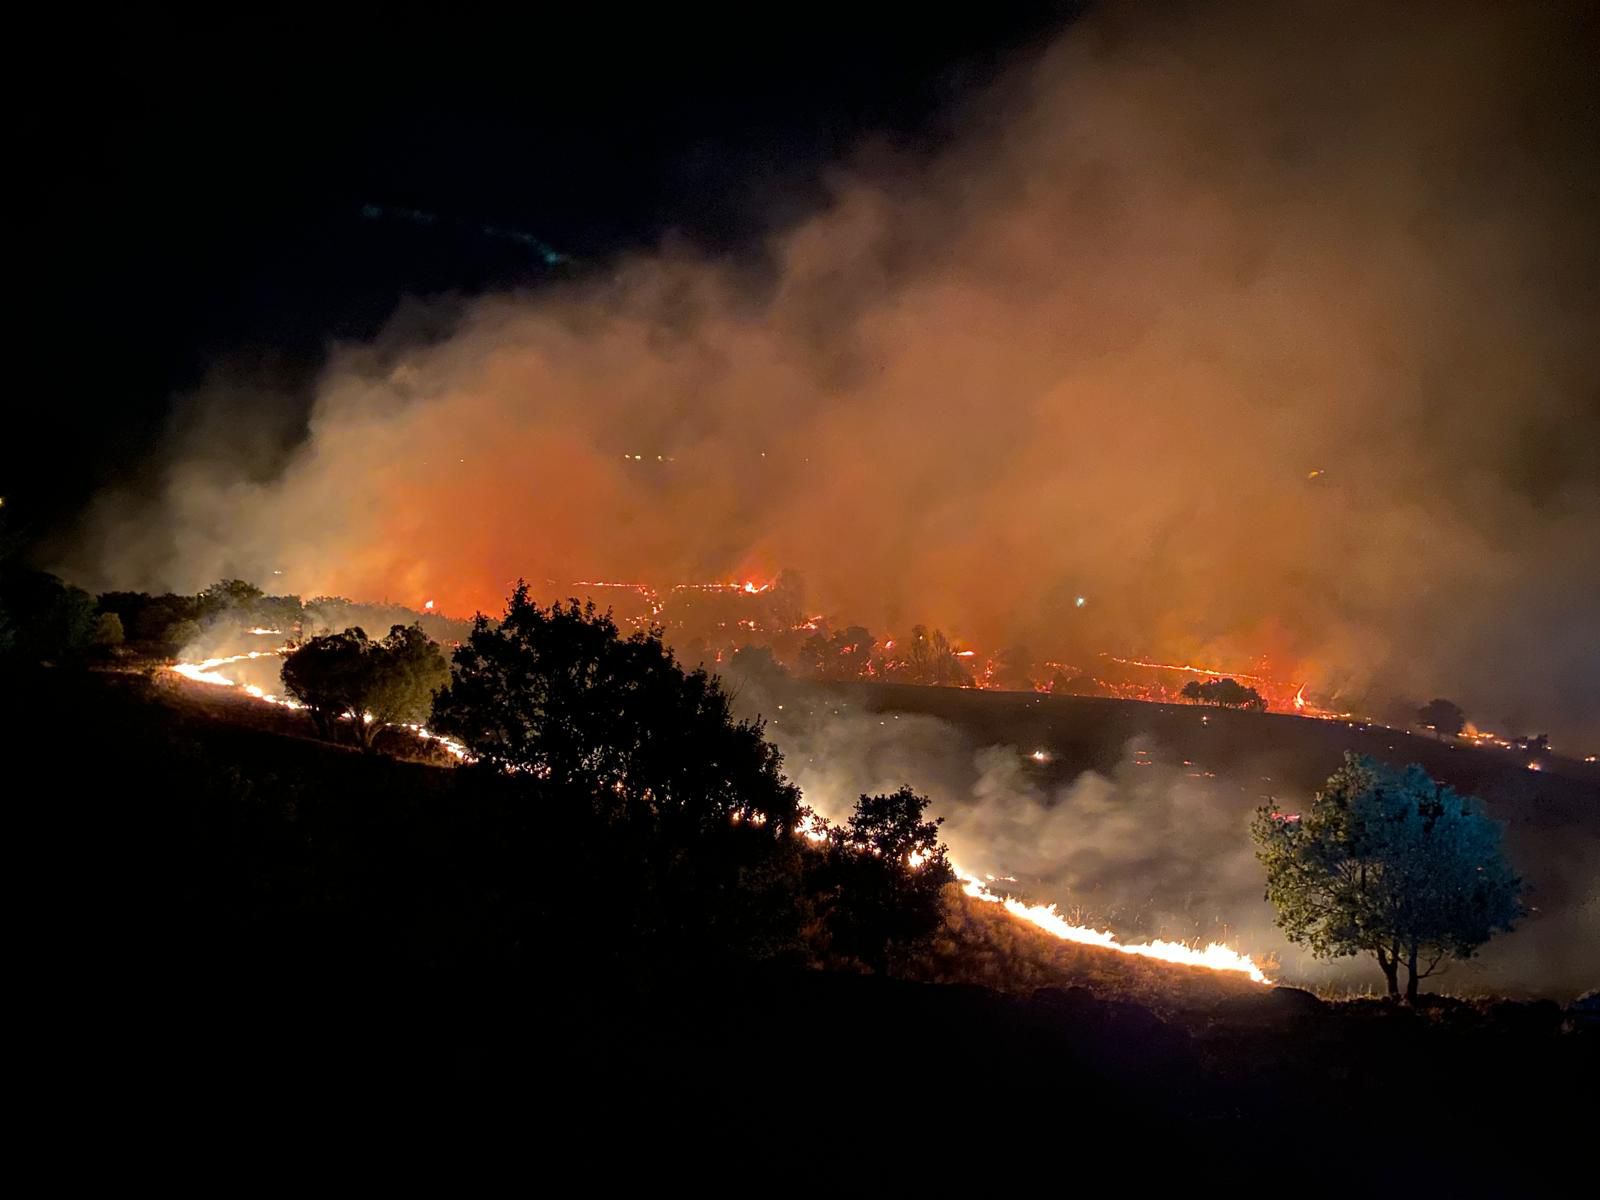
(207, 966)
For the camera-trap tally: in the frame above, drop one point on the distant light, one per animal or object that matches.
(1080, 602)
(1040, 756)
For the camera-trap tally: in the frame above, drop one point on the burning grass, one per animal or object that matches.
(981, 943)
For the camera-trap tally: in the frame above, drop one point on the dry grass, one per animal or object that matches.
(981, 943)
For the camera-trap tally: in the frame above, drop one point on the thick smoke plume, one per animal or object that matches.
(1268, 329)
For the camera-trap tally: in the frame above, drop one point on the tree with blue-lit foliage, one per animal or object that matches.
(1390, 863)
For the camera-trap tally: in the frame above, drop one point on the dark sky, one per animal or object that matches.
(239, 189)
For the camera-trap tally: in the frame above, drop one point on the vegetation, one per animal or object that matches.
(348, 679)
(43, 619)
(560, 695)
(628, 752)
(1444, 717)
(886, 874)
(1388, 863)
(930, 660)
(108, 630)
(1225, 693)
(844, 654)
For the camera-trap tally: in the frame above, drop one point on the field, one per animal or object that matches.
(239, 921)
(1154, 841)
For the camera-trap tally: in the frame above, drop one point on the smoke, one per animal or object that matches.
(1142, 849)
(1266, 328)
(1154, 846)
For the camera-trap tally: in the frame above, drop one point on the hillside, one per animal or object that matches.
(250, 916)
(1158, 845)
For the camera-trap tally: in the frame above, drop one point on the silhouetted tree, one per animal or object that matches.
(756, 664)
(560, 694)
(845, 654)
(228, 593)
(50, 620)
(889, 871)
(930, 660)
(1225, 693)
(1443, 717)
(1014, 668)
(1388, 863)
(786, 601)
(347, 675)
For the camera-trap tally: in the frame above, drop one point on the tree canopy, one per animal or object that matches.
(44, 618)
(1390, 863)
(1442, 716)
(889, 871)
(844, 654)
(558, 693)
(1225, 693)
(928, 658)
(349, 676)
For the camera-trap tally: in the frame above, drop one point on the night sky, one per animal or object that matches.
(233, 191)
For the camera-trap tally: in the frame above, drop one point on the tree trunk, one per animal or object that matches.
(1391, 971)
(1411, 975)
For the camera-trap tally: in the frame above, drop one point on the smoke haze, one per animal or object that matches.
(1151, 845)
(1269, 329)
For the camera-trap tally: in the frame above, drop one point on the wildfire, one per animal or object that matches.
(1214, 957)
(1210, 672)
(206, 672)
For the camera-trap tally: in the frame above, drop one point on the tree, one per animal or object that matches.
(1225, 693)
(756, 664)
(1388, 863)
(931, 660)
(843, 655)
(228, 593)
(107, 630)
(889, 870)
(560, 694)
(1443, 717)
(1015, 668)
(372, 684)
(49, 620)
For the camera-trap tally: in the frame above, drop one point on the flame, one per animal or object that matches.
(205, 672)
(1300, 699)
(1213, 672)
(1214, 957)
